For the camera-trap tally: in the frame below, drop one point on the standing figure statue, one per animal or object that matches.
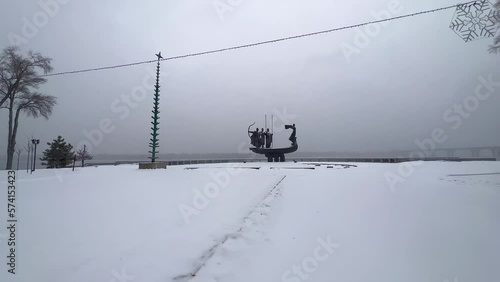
(262, 138)
(254, 139)
(269, 138)
(293, 136)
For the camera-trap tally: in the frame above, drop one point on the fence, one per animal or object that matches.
(350, 160)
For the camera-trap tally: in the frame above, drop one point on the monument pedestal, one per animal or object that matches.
(155, 165)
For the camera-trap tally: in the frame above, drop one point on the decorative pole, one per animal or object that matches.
(154, 135)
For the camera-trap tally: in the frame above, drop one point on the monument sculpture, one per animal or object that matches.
(262, 143)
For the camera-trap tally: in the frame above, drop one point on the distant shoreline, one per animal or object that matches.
(114, 158)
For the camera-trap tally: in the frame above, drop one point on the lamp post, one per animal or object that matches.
(34, 142)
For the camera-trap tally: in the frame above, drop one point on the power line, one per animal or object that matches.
(265, 42)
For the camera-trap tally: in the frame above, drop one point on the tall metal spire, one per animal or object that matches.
(154, 144)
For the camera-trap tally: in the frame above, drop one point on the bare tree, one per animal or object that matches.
(28, 149)
(18, 78)
(18, 152)
(83, 155)
(495, 48)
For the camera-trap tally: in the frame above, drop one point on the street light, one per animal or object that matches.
(35, 142)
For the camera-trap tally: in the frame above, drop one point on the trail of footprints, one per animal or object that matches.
(251, 227)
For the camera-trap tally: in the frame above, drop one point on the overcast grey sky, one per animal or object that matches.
(394, 91)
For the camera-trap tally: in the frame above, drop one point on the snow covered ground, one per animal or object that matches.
(257, 222)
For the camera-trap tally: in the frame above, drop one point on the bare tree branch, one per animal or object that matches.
(36, 104)
(19, 73)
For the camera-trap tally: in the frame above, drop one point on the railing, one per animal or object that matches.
(350, 160)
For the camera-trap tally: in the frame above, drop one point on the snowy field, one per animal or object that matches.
(257, 222)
